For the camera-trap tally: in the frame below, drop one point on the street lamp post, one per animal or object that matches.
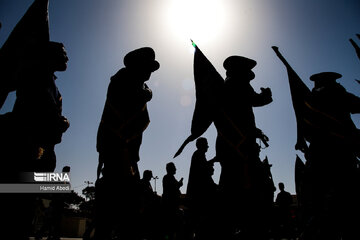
(155, 178)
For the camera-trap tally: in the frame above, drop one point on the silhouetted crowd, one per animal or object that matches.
(240, 206)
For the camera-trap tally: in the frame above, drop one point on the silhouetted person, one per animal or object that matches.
(151, 208)
(201, 190)
(236, 147)
(238, 100)
(39, 221)
(267, 190)
(103, 219)
(124, 119)
(283, 198)
(125, 114)
(146, 188)
(57, 205)
(36, 125)
(46, 224)
(28, 61)
(171, 200)
(268, 181)
(38, 110)
(284, 201)
(331, 179)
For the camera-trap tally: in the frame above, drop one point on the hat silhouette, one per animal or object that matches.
(331, 76)
(142, 58)
(239, 62)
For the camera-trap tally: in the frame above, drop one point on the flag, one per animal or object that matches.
(299, 179)
(311, 119)
(32, 29)
(208, 85)
(300, 95)
(356, 47)
(357, 50)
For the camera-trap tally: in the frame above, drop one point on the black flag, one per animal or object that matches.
(356, 47)
(299, 179)
(208, 85)
(357, 50)
(300, 95)
(32, 30)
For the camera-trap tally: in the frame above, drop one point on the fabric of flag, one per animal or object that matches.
(299, 179)
(32, 30)
(208, 85)
(300, 95)
(356, 47)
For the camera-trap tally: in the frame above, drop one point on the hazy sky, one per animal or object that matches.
(312, 34)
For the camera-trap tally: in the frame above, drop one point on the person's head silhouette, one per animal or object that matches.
(239, 66)
(141, 62)
(281, 186)
(147, 175)
(56, 56)
(170, 168)
(66, 169)
(202, 144)
(324, 78)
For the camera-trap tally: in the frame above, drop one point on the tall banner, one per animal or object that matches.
(208, 85)
(32, 30)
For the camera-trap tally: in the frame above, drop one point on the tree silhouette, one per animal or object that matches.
(89, 193)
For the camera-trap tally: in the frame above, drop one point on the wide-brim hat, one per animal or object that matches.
(239, 62)
(142, 58)
(329, 76)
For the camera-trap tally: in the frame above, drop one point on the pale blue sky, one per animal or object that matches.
(312, 34)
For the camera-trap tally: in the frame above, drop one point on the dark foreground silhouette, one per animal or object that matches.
(126, 207)
(330, 178)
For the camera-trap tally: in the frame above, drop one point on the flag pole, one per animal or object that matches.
(192, 43)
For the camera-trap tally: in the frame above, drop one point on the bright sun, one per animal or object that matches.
(197, 19)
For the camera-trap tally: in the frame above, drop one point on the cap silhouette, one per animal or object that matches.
(142, 58)
(329, 76)
(239, 62)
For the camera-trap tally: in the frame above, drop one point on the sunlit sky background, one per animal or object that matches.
(312, 34)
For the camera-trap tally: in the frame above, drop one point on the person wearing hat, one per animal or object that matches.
(239, 97)
(125, 117)
(37, 111)
(238, 100)
(236, 143)
(331, 107)
(332, 176)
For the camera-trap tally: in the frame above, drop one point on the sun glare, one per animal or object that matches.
(196, 19)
